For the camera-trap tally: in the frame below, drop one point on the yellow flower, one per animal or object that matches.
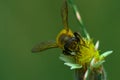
(88, 55)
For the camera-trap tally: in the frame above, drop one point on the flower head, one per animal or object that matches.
(88, 55)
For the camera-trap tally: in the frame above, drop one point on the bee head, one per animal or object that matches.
(64, 36)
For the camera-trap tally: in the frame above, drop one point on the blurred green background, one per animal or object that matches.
(24, 23)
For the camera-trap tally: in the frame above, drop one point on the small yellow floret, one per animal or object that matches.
(87, 52)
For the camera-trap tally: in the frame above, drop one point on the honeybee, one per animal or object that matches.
(66, 39)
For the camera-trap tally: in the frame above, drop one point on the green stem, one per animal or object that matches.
(76, 12)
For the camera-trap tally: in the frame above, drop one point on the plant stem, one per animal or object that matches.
(76, 12)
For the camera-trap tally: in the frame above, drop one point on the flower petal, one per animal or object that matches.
(73, 66)
(105, 54)
(86, 74)
(67, 59)
(97, 45)
(95, 64)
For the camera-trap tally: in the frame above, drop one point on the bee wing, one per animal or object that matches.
(44, 46)
(64, 14)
